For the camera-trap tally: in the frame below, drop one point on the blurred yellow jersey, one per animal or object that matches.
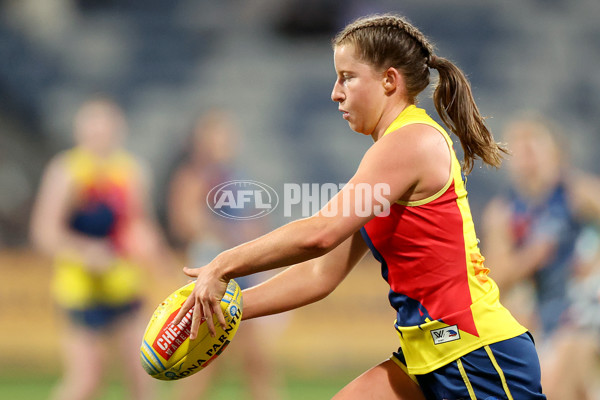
(103, 207)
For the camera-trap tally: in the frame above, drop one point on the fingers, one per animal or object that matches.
(209, 321)
(219, 313)
(185, 307)
(204, 302)
(191, 272)
(203, 312)
(197, 318)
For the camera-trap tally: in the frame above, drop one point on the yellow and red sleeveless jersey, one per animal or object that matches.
(446, 304)
(104, 199)
(104, 206)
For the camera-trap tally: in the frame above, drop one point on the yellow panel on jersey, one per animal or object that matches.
(446, 304)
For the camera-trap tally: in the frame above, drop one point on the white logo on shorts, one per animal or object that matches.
(445, 335)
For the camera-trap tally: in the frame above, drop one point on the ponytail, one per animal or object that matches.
(456, 107)
(390, 40)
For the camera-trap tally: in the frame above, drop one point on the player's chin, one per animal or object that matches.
(358, 128)
(354, 126)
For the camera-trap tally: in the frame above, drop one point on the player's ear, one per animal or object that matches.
(392, 80)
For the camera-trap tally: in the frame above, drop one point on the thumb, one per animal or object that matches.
(191, 272)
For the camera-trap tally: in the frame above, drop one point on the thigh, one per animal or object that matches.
(83, 352)
(384, 381)
(124, 331)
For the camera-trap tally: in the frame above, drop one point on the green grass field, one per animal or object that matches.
(35, 388)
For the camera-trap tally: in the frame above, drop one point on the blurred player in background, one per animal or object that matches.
(93, 217)
(209, 162)
(531, 237)
(456, 340)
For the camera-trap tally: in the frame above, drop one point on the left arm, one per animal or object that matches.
(399, 164)
(508, 263)
(304, 283)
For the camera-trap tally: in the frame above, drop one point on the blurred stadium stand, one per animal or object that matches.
(270, 61)
(165, 60)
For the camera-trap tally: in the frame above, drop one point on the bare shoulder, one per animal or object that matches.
(497, 204)
(187, 182)
(583, 181)
(413, 142)
(584, 190)
(57, 167)
(183, 175)
(417, 154)
(56, 182)
(497, 212)
(417, 141)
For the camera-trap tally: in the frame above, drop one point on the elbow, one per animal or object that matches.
(320, 242)
(325, 290)
(36, 238)
(320, 245)
(40, 243)
(44, 239)
(325, 282)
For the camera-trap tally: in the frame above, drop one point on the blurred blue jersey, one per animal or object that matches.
(550, 220)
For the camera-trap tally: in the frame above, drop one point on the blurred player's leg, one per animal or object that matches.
(139, 386)
(198, 385)
(84, 361)
(384, 381)
(569, 366)
(263, 381)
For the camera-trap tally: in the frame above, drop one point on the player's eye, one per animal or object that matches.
(345, 78)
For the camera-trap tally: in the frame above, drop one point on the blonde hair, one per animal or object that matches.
(389, 40)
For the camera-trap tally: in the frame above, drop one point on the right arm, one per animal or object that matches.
(49, 228)
(304, 283)
(395, 160)
(184, 206)
(50, 207)
(508, 263)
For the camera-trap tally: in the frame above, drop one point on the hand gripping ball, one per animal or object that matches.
(167, 353)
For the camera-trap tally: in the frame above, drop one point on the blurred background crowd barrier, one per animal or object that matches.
(270, 62)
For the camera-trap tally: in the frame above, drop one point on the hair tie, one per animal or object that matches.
(432, 61)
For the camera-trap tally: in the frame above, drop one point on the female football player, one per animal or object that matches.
(92, 217)
(456, 340)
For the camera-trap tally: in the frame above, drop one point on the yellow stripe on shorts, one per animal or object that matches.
(499, 371)
(463, 373)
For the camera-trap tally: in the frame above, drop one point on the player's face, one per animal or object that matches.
(359, 91)
(535, 160)
(99, 127)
